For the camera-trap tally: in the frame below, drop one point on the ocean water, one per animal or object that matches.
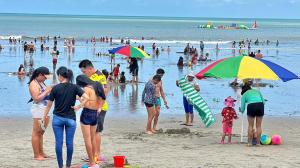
(283, 98)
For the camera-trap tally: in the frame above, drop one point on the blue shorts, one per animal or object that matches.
(158, 102)
(188, 108)
(88, 117)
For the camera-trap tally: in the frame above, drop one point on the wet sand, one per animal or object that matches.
(193, 147)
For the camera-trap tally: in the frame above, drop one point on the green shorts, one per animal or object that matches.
(158, 102)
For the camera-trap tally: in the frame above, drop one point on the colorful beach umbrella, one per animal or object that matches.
(130, 51)
(245, 67)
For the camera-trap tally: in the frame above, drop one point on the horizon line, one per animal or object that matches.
(193, 17)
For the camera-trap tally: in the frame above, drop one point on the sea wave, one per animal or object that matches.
(10, 36)
(132, 40)
(173, 41)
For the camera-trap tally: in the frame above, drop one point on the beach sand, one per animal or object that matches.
(124, 136)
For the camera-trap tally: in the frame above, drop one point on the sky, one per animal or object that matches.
(289, 9)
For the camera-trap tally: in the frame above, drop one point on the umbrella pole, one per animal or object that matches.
(242, 127)
(242, 130)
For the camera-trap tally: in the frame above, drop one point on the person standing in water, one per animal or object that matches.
(258, 55)
(88, 117)
(55, 54)
(116, 72)
(159, 93)
(88, 69)
(134, 69)
(21, 70)
(64, 118)
(39, 96)
(201, 46)
(149, 99)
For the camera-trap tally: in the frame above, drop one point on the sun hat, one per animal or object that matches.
(229, 101)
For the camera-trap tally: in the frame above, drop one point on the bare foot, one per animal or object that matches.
(153, 130)
(40, 158)
(149, 132)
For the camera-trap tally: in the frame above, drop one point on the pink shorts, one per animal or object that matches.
(227, 129)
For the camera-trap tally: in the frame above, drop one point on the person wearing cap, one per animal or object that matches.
(39, 96)
(228, 114)
(189, 113)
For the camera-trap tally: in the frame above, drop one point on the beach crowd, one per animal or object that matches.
(91, 89)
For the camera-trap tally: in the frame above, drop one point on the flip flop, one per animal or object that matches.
(183, 124)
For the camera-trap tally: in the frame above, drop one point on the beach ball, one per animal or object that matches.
(265, 139)
(276, 140)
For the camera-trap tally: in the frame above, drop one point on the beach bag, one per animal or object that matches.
(197, 101)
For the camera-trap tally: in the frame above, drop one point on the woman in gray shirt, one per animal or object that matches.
(149, 99)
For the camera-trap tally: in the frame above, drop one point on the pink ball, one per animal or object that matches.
(276, 140)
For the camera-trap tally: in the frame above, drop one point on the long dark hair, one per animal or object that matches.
(246, 87)
(83, 81)
(65, 73)
(37, 72)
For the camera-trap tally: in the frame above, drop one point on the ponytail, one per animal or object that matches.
(83, 81)
(65, 73)
(37, 72)
(70, 76)
(34, 75)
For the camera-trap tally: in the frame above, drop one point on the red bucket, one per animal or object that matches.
(119, 161)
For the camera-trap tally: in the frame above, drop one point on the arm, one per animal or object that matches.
(243, 102)
(262, 98)
(49, 105)
(100, 105)
(234, 114)
(35, 94)
(163, 95)
(83, 99)
(197, 88)
(223, 112)
(143, 95)
(106, 89)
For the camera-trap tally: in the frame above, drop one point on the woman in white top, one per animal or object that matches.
(39, 93)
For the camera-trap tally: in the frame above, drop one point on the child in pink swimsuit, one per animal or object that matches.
(228, 114)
